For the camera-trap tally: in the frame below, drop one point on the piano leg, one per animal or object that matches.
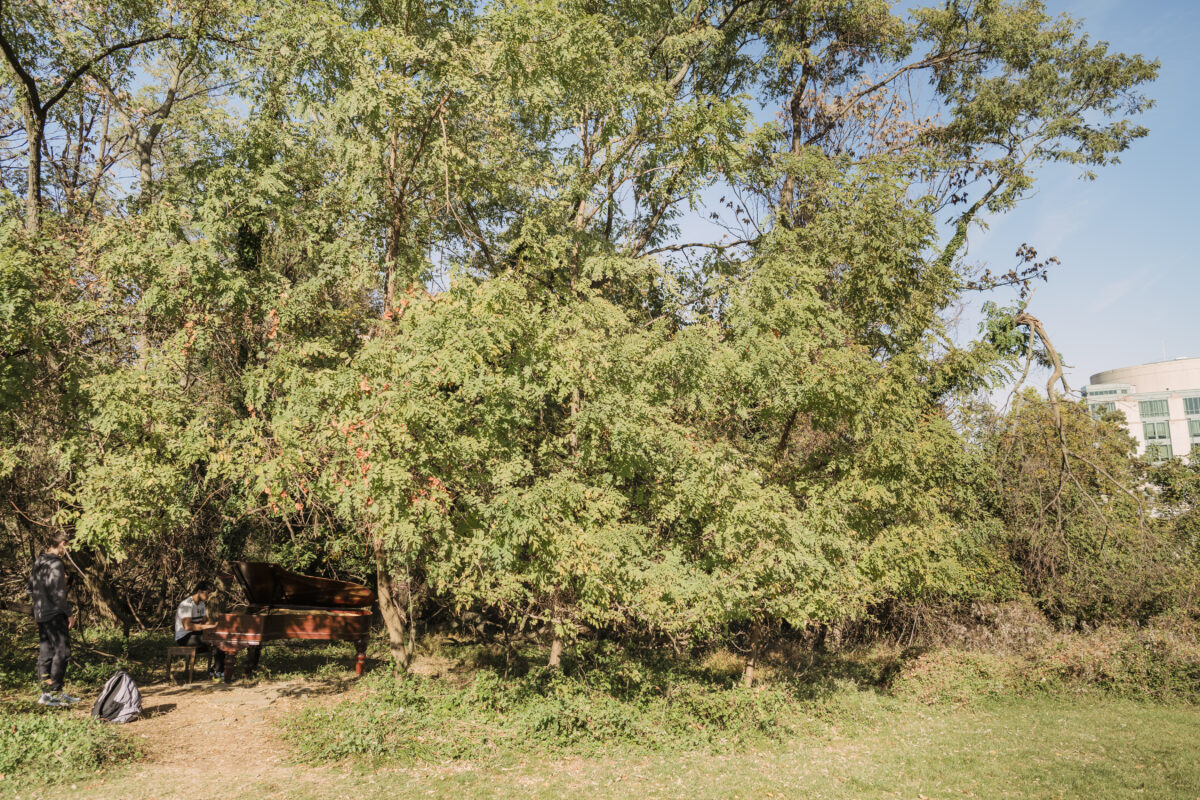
(360, 657)
(230, 663)
(253, 652)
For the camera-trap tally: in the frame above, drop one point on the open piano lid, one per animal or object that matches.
(272, 585)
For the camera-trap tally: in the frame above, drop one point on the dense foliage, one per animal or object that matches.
(438, 296)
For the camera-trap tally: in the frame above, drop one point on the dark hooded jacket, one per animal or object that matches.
(47, 585)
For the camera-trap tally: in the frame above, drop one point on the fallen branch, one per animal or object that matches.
(1058, 376)
(114, 657)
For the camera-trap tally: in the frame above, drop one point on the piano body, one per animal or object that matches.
(286, 605)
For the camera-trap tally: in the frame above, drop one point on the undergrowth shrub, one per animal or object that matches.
(1013, 627)
(422, 719)
(46, 746)
(1159, 661)
(958, 676)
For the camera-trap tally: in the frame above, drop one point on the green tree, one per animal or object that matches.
(411, 304)
(1076, 513)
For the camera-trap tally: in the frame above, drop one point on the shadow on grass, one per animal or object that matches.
(629, 673)
(625, 674)
(317, 688)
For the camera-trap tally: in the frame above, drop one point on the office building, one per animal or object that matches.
(1161, 403)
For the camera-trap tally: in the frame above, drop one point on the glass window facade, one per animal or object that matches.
(1155, 431)
(1158, 440)
(1191, 405)
(1152, 408)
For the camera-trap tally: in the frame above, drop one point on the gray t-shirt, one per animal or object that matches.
(188, 609)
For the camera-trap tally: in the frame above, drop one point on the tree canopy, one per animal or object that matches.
(420, 293)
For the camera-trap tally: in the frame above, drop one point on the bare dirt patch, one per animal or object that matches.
(208, 739)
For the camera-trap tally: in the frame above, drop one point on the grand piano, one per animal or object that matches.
(286, 605)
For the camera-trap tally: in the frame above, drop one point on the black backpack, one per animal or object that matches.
(119, 700)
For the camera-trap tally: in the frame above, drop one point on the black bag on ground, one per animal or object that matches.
(119, 700)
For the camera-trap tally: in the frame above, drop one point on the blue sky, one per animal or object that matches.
(1127, 289)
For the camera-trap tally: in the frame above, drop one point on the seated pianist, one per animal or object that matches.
(191, 619)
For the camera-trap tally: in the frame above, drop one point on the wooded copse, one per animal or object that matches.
(419, 294)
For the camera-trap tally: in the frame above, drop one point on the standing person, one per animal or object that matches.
(191, 618)
(47, 585)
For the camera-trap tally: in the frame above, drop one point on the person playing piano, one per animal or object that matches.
(191, 619)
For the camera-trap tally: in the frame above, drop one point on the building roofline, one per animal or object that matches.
(1092, 378)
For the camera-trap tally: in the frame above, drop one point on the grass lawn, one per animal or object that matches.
(845, 733)
(1060, 747)
(1027, 749)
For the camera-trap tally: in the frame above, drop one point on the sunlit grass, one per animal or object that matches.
(1032, 748)
(480, 723)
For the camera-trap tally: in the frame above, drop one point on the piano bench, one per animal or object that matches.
(186, 653)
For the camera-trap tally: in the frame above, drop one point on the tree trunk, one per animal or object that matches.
(556, 627)
(573, 439)
(145, 156)
(102, 596)
(397, 609)
(787, 198)
(35, 129)
(395, 226)
(556, 648)
(752, 659)
(819, 638)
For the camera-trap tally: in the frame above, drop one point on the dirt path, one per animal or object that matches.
(216, 740)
